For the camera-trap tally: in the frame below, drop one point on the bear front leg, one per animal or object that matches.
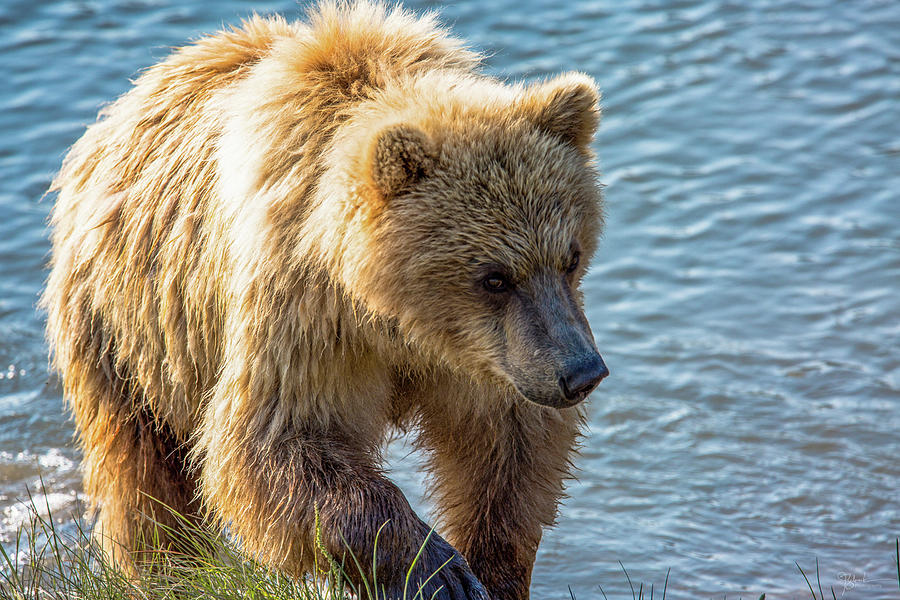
(499, 466)
(273, 487)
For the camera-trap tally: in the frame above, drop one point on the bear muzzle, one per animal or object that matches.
(551, 357)
(575, 379)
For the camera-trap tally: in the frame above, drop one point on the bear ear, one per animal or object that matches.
(567, 106)
(401, 156)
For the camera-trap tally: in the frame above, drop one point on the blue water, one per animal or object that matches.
(746, 295)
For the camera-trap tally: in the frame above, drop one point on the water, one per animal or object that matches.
(745, 295)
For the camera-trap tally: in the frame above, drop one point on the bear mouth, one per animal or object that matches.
(557, 400)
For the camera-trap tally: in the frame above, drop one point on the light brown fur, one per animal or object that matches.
(260, 263)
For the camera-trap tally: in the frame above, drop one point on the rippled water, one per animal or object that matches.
(745, 295)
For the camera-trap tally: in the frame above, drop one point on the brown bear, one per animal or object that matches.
(289, 238)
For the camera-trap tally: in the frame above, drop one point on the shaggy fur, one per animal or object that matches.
(266, 255)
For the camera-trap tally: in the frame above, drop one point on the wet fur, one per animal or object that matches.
(225, 299)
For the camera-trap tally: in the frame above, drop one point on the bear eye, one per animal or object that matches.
(573, 263)
(495, 283)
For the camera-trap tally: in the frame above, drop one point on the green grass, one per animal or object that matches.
(47, 563)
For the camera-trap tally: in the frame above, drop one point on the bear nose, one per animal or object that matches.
(584, 377)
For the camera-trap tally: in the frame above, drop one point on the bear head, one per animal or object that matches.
(473, 213)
